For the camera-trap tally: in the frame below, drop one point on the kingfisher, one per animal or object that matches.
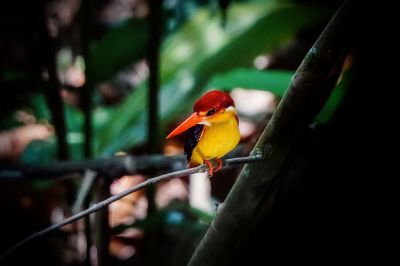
(212, 130)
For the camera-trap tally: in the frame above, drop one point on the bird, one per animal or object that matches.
(211, 131)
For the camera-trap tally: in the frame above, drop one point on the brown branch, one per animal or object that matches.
(109, 167)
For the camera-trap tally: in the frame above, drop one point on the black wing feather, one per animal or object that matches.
(193, 136)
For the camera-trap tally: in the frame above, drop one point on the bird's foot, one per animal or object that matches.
(219, 161)
(211, 169)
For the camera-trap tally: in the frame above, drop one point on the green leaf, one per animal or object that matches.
(202, 36)
(39, 106)
(275, 81)
(122, 45)
(126, 125)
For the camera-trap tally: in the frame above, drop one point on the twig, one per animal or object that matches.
(113, 167)
(109, 167)
(104, 203)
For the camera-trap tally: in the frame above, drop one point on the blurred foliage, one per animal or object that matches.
(192, 56)
(275, 81)
(39, 151)
(176, 214)
(32, 102)
(179, 227)
(122, 45)
(198, 52)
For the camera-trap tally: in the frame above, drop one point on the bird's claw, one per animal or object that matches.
(211, 169)
(219, 161)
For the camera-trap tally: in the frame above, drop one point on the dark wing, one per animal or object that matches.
(193, 136)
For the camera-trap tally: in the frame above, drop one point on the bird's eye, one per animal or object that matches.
(210, 112)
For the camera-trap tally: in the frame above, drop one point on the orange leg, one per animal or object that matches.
(219, 161)
(211, 168)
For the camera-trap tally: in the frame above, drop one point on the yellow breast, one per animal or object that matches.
(218, 139)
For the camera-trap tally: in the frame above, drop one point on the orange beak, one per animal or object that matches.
(191, 121)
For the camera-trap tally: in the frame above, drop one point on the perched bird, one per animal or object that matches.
(212, 130)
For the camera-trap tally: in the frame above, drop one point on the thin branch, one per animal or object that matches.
(105, 203)
(112, 167)
(109, 167)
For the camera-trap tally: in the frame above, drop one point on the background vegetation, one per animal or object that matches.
(75, 82)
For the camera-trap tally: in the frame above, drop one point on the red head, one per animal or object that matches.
(212, 107)
(213, 100)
